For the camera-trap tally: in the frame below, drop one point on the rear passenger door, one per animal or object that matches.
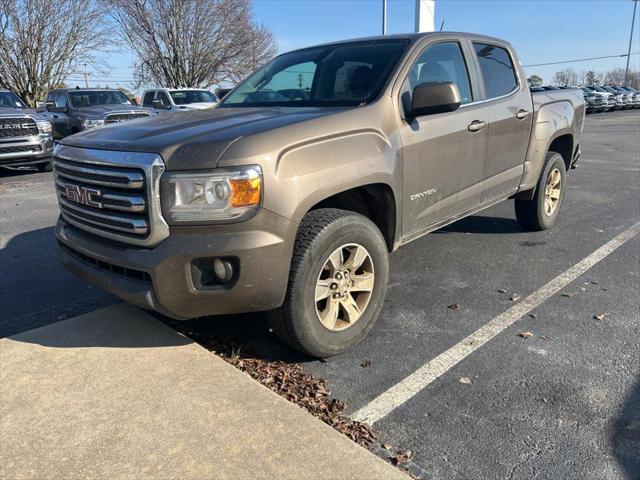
(508, 104)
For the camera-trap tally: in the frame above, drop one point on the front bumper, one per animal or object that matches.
(161, 278)
(25, 151)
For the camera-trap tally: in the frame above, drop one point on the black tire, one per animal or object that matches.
(531, 214)
(44, 167)
(321, 233)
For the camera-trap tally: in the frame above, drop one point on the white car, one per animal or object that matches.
(179, 99)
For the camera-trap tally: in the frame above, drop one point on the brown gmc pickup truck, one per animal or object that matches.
(289, 196)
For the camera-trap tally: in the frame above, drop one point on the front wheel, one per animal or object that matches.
(337, 283)
(541, 212)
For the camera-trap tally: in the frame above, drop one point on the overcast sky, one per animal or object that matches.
(541, 30)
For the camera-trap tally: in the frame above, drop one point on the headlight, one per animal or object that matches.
(220, 195)
(44, 126)
(88, 123)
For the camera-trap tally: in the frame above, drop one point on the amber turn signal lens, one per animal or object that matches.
(245, 192)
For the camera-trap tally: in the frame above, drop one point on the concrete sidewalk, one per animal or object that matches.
(117, 394)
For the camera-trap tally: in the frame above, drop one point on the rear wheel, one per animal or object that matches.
(337, 283)
(541, 212)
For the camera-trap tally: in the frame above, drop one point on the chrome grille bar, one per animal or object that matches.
(100, 176)
(135, 226)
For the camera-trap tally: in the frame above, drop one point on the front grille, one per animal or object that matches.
(17, 127)
(108, 267)
(110, 194)
(20, 148)
(123, 117)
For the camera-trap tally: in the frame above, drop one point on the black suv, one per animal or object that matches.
(72, 110)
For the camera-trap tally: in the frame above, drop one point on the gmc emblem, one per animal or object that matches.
(84, 195)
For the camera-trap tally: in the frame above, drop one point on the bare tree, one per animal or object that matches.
(43, 41)
(565, 78)
(192, 43)
(614, 77)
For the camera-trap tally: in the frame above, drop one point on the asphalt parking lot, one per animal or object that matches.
(563, 402)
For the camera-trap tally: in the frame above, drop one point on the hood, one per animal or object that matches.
(98, 111)
(18, 112)
(196, 138)
(196, 106)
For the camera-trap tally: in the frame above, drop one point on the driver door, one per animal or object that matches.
(444, 154)
(56, 107)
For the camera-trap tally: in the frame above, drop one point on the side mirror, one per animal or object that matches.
(157, 103)
(434, 97)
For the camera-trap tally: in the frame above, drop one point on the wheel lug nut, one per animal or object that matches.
(333, 286)
(338, 276)
(336, 295)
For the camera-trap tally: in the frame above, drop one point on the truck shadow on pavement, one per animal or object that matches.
(36, 290)
(626, 435)
(483, 224)
(249, 333)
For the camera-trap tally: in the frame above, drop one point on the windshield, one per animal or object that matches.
(10, 100)
(347, 74)
(185, 97)
(90, 98)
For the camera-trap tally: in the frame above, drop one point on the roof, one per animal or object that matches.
(412, 37)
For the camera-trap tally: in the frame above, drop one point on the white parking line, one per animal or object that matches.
(395, 396)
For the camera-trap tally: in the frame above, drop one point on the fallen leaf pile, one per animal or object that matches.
(290, 381)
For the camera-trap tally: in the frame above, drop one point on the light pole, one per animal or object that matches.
(384, 17)
(633, 21)
(86, 79)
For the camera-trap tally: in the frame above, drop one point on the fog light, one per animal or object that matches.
(223, 270)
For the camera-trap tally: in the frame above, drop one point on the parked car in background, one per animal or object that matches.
(596, 101)
(290, 203)
(179, 99)
(25, 135)
(72, 110)
(619, 98)
(629, 96)
(626, 96)
(612, 101)
(636, 96)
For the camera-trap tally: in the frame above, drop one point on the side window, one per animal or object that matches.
(51, 97)
(440, 63)
(61, 102)
(498, 72)
(164, 99)
(147, 101)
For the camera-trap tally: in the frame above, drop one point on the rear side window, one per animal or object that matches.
(147, 101)
(498, 72)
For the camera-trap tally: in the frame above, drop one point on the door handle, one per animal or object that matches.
(522, 114)
(476, 125)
